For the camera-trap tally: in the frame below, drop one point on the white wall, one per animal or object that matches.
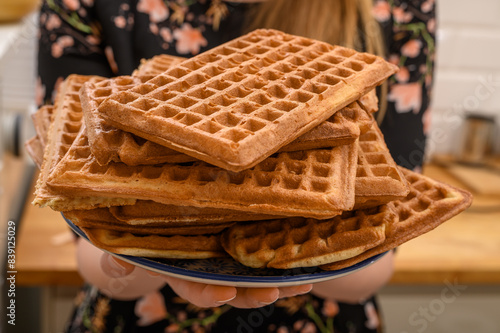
(467, 69)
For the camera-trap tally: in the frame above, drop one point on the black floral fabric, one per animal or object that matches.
(110, 37)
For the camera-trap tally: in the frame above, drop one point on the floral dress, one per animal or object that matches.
(110, 37)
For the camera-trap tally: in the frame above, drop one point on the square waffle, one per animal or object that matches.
(101, 218)
(42, 119)
(347, 239)
(378, 178)
(109, 143)
(157, 64)
(34, 148)
(315, 183)
(301, 242)
(157, 246)
(147, 212)
(238, 103)
(429, 204)
(65, 125)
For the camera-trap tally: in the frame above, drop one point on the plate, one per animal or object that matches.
(228, 272)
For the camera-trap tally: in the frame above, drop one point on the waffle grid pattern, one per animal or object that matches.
(300, 242)
(317, 183)
(378, 178)
(225, 98)
(66, 124)
(429, 204)
(157, 65)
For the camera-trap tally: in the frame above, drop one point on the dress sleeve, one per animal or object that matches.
(409, 30)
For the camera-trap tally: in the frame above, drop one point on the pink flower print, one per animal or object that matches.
(108, 51)
(72, 5)
(153, 27)
(150, 309)
(406, 96)
(371, 314)
(94, 40)
(189, 39)
(39, 91)
(282, 329)
(431, 25)
(309, 328)
(120, 22)
(427, 6)
(53, 22)
(381, 11)
(401, 16)
(403, 75)
(394, 59)
(60, 44)
(427, 120)
(166, 34)
(411, 48)
(156, 9)
(88, 3)
(330, 308)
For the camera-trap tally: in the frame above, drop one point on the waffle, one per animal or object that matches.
(42, 119)
(238, 103)
(429, 204)
(156, 246)
(101, 218)
(147, 212)
(34, 148)
(378, 178)
(109, 143)
(316, 183)
(65, 125)
(157, 65)
(300, 242)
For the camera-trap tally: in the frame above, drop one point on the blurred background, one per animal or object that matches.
(446, 281)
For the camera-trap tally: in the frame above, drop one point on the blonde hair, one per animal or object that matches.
(348, 23)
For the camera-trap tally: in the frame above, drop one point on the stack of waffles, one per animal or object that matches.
(264, 149)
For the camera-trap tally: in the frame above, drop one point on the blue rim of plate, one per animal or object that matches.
(208, 270)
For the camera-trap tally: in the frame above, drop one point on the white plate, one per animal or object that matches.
(228, 272)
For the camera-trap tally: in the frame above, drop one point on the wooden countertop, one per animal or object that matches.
(465, 249)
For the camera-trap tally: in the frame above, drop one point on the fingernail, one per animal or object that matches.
(225, 301)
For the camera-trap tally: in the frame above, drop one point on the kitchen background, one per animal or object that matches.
(467, 83)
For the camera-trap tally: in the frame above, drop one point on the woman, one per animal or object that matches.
(110, 37)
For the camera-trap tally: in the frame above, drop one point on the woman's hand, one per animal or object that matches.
(207, 295)
(121, 280)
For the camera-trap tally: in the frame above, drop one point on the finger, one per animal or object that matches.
(201, 294)
(114, 267)
(295, 290)
(254, 297)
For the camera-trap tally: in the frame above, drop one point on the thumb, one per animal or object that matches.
(114, 267)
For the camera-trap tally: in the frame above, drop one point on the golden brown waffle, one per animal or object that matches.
(429, 204)
(101, 218)
(156, 246)
(238, 103)
(300, 242)
(157, 65)
(34, 148)
(63, 130)
(42, 119)
(108, 143)
(316, 183)
(378, 178)
(147, 212)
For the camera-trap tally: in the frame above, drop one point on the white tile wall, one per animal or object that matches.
(467, 69)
